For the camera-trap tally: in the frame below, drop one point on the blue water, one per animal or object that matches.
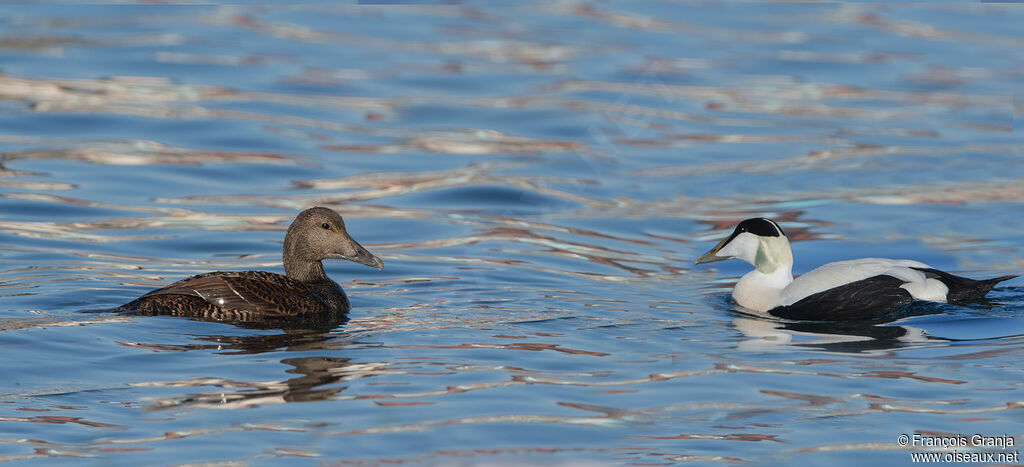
(538, 179)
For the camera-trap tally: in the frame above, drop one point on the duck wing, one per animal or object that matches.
(262, 292)
(864, 299)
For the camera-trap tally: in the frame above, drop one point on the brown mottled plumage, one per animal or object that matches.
(304, 291)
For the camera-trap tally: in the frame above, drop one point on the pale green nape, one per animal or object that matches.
(772, 253)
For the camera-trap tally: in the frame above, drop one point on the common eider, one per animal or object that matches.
(303, 291)
(858, 289)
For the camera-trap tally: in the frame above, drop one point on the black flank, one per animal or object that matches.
(865, 299)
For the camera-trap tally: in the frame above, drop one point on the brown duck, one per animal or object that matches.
(303, 291)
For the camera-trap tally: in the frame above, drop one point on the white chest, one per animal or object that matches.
(761, 292)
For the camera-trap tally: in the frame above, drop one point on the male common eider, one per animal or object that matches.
(857, 289)
(303, 291)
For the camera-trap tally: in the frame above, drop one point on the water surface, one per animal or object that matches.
(537, 179)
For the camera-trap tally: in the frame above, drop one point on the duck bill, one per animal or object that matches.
(361, 256)
(711, 256)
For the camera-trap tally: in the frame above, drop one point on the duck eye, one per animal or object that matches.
(326, 226)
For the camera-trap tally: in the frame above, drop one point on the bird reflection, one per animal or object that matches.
(294, 338)
(316, 373)
(852, 337)
(834, 336)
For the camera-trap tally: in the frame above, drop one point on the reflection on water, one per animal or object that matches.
(315, 371)
(538, 179)
(832, 337)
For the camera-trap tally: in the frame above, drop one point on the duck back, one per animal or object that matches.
(241, 295)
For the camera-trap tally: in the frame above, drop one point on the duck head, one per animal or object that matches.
(758, 241)
(316, 234)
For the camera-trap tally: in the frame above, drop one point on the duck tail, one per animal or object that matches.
(962, 288)
(990, 283)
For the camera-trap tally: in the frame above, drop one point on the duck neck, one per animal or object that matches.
(305, 271)
(298, 263)
(761, 291)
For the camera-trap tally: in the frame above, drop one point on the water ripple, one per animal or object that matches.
(538, 179)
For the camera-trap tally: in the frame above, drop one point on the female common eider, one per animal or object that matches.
(857, 289)
(303, 291)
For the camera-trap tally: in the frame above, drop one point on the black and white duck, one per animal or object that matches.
(858, 289)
